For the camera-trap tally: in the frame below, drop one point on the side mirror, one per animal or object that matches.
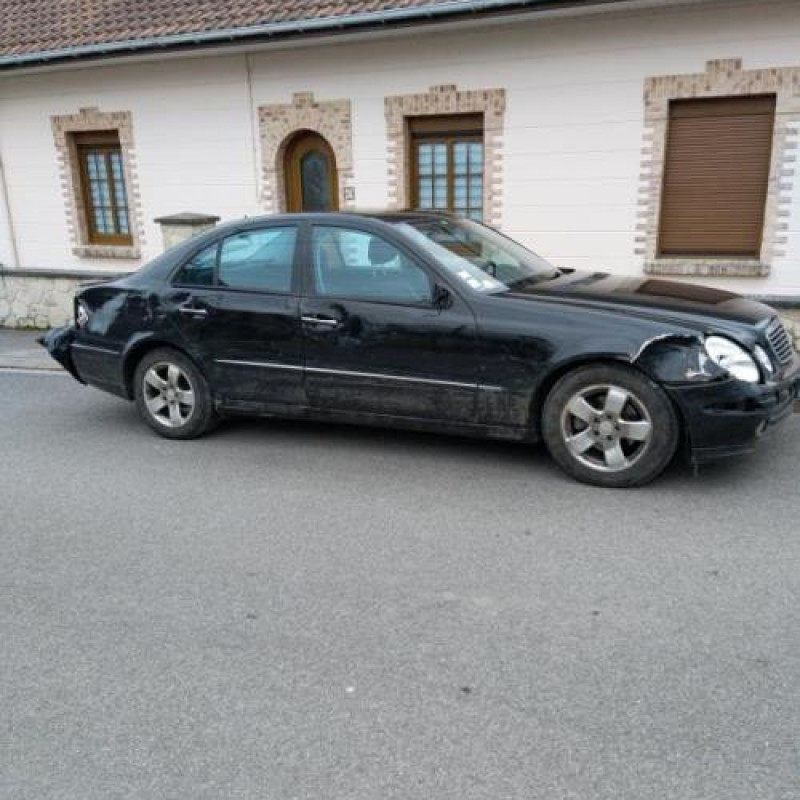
(442, 298)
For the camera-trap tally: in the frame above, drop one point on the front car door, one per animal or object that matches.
(375, 341)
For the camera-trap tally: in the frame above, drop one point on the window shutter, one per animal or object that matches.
(716, 174)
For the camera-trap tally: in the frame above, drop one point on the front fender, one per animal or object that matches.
(676, 358)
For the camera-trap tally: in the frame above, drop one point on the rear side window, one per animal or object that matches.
(258, 259)
(199, 269)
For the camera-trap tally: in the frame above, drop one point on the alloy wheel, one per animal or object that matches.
(168, 394)
(606, 427)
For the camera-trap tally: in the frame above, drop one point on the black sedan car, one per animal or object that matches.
(427, 321)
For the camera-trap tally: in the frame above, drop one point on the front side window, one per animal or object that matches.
(447, 164)
(362, 265)
(478, 256)
(103, 189)
(259, 259)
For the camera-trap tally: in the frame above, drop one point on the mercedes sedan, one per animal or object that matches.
(431, 322)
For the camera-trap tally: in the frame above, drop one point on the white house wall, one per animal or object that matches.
(572, 145)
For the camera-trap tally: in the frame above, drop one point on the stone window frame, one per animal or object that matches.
(446, 100)
(88, 120)
(279, 123)
(722, 78)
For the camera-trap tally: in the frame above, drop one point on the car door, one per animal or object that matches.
(375, 340)
(258, 354)
(191, 306)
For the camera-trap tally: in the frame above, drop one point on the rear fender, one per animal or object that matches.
(142, 343)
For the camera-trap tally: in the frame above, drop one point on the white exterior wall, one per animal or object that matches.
(572, 143)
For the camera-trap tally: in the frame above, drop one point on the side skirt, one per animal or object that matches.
(514, 434)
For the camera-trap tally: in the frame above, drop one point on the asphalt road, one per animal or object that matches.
(300, 611)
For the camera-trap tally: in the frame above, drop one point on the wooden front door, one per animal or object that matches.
(311, 180)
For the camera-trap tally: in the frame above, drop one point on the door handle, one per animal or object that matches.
(330, 322)
(193, 311)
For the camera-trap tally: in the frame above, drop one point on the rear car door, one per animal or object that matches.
(191, 305)
(375, 340)
(258, 355)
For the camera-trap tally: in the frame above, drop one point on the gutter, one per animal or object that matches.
(278, 30)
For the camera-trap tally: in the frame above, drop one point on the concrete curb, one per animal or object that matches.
(32, 371)
(20, 350)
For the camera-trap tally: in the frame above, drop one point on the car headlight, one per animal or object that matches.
(764, 360)
(733, 358)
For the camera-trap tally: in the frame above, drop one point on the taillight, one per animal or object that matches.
(81, 314)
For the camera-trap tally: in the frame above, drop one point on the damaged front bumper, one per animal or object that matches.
(58, 342)
(726, 418)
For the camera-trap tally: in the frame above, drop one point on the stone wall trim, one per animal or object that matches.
(279, 123)
(722, 78)
(80, 274)
(91, 119)
(439, 101)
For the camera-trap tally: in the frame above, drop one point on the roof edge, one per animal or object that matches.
(289, 29)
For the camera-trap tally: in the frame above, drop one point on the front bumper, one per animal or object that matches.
(726, 418)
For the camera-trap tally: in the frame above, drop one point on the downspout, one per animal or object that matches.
(11, 238)
(254, 131)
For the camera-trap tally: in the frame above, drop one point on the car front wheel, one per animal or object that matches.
(172, 395)
(609, 425)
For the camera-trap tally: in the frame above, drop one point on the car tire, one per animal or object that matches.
(609, 425)
(173, 396)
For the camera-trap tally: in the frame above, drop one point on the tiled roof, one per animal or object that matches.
(36, 26)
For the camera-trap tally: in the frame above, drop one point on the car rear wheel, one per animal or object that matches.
(609, 425)
(173, 396)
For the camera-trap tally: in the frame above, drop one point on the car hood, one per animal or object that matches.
(684, 303)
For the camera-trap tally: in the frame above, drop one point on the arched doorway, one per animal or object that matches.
(310, 169)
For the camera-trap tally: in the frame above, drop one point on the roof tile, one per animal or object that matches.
(34, 26)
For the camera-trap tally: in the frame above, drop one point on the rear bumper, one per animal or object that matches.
(89, 364)
(728, 418)
(58, 342)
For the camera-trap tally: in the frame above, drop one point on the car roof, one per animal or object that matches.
(390, 216)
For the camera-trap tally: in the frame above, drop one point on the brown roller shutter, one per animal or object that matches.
(715, 176)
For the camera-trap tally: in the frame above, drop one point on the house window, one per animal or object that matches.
(447, 163)
(716, 177)
(102, 179)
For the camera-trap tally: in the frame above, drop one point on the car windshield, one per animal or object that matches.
(478, 256)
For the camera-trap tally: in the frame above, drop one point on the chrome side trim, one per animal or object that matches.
(265, 364)
(384, 376)
(352, 374)
(94, 348)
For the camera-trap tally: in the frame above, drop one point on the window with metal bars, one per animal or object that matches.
(447, 164)
(103, 190)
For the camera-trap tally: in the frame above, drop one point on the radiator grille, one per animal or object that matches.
(779, 342)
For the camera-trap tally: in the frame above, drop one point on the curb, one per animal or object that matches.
(22, 370)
